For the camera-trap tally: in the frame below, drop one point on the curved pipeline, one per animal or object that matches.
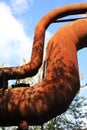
(53, 95)
(32, 67)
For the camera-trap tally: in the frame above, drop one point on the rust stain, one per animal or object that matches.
(53, 95)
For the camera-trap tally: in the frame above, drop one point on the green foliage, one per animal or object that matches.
(72, 119)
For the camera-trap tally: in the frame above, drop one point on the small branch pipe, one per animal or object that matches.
(68, 20)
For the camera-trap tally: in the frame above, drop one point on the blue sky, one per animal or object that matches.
(18, 19)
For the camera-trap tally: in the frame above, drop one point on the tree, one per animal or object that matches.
(72, 119)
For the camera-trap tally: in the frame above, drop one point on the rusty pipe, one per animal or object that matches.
(53, 95)
(31, 68)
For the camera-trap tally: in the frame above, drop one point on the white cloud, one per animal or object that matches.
(19, 6)
(14, 43)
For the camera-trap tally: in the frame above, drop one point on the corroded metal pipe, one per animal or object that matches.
(32, 67)
(53, 95)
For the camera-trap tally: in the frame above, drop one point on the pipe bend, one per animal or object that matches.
(53, 95)
(38, 42)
